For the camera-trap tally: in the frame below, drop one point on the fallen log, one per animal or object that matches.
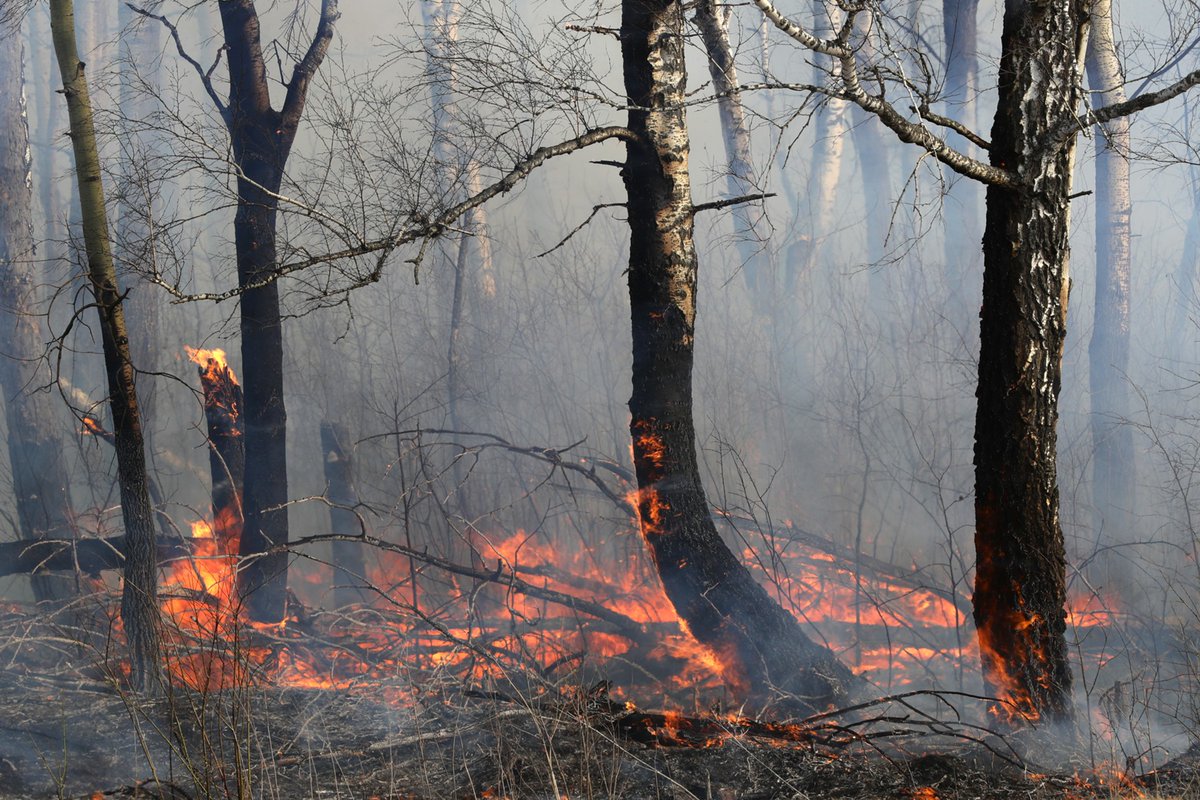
(89, 556)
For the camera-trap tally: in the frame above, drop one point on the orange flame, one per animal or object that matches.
(212, 361)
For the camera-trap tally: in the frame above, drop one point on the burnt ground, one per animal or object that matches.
(68, 729)
(77, 736)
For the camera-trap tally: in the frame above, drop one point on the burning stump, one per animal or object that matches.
(227, 453)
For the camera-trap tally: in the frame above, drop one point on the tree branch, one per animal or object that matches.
(730, 201)
(415, 229)
(852, 90)
(306, 68)
(1072, 125)
(205, 76)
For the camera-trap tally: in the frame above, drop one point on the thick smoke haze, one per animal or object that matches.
(840, 400)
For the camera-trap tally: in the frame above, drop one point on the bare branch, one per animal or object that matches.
(927, 113)
(913, 133)
(302, 74)
(830, 47)
(730, 201)
(205, 75)
(415, 229)
(852, 90)
(1069, 127)
(596, 209)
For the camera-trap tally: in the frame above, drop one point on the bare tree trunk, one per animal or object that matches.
(828, 149)
(262, 139)
(1020, 586)
(35, 450)
(764, 652)
(1108, 354)
(339, 480)
(137, 201)
(1187, 276)
(139, 599)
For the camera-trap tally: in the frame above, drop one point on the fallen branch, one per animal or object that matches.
(89, 556)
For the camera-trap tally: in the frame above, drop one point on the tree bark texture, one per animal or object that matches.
(339, 490)
(262, 139)
(35, 450)
(139, 598)
(1020, 591)
(1108, 353)
(764, 652)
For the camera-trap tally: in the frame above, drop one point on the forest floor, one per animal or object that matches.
(77, 737)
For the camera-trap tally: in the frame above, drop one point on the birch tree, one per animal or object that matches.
(1113, 456)
(761, 646)
(1020, 580)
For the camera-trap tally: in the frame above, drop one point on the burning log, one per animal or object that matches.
(90, 556)
(226, 445)
(347, 554)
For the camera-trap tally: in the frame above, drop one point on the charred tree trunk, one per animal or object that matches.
(88, 556)
(262, 139)
(35, 451)
(1020, 587)
(139, 598)
(1108, 354)
(339, 479)
(764, 652)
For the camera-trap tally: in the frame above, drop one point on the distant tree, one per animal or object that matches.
(138, 206)
(139, 597)
(1113, 459)
(35, 449)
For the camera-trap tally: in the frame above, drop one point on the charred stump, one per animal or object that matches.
(339, 480)
(226, 445)
(766, 657)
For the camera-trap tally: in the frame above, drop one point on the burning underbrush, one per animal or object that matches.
(528, 671)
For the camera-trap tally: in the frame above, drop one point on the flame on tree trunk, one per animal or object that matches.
(226, 445)
(1020, 586)
(764, 653)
